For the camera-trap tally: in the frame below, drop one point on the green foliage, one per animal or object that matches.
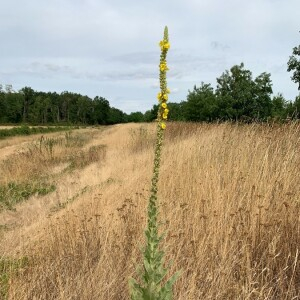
(8, 268)
(151, 115)
(177, 112)
(201, 104)
(294, 65)
(116, 116)
(279, 107)
(135, 117)
(26, 130)
(239, 96)
(296, 108)
(34, 107)
(13, 192)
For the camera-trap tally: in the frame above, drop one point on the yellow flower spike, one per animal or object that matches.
(153, 260)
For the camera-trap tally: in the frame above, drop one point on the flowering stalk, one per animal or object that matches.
(153, 271)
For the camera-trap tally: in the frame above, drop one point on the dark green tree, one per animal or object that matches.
(2, 106)
(294, 65)
(239, 97)
(176, 111)
(135, 117)
(115, 116)
(262, 102)
(235, 93)
(151, 115)
(38, 110)
(201, 104)
(101, 110)
(296, 108)
(28, 100)
(14, 107)
(279, 107)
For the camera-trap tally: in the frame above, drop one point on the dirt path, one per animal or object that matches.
(69, 186)
(12, 145)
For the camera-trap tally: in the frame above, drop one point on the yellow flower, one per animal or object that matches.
(166, 111)
(164, 105)
(163, 125)
(159, 96)
(165, 97)
(168, 91)
(165, 116)
(163, 66)
(164, 45)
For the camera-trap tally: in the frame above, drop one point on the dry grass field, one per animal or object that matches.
(230, 203)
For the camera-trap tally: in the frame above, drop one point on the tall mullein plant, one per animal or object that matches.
(151, 285)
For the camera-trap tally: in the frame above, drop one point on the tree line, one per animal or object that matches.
(237, 97)
(34, 107)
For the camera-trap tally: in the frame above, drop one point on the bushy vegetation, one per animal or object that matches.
(26, 130)
(237, 97)
(36, 107)
(13, 192)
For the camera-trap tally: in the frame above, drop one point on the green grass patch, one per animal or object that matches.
(9, 267)
(13, 192)
(26, 130)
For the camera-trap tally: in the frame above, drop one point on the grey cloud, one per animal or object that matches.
(219, 46)
(136, 58)
(94, 46)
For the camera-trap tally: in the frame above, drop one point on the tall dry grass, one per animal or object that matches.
(229, 193)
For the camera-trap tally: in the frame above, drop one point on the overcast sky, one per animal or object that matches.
(110, 47)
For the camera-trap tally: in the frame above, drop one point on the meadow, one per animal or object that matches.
(72, 211)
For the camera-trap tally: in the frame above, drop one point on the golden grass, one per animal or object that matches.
(229, 195)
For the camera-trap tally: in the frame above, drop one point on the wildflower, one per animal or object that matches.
(163, 67)
(165, 114)
(159, 95)
(154, 272)
(164, 46)
(168, 91)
